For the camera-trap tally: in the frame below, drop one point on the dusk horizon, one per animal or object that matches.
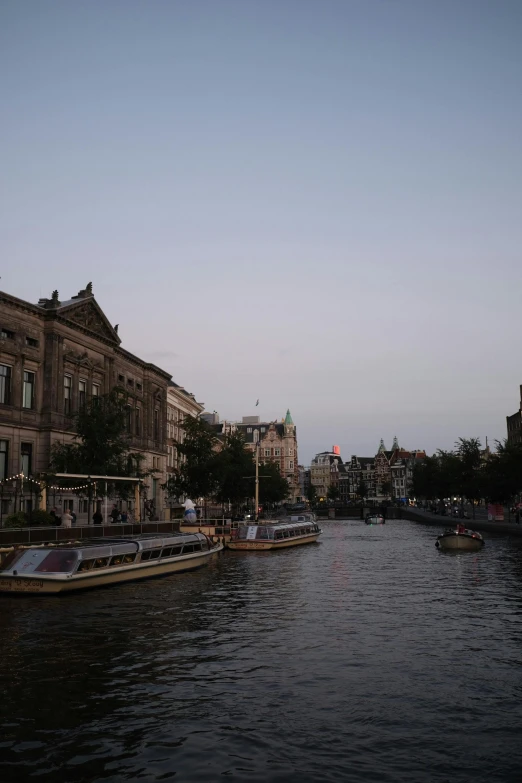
(316, 205)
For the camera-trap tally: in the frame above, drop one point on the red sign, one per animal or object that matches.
(496, 512)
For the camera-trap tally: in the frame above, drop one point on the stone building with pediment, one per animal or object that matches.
(54, 357)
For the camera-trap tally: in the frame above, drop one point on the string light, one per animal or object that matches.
(41, 484)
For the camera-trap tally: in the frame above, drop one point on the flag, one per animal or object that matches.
(257, 403)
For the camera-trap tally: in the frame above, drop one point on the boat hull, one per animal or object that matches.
(376, 520)
(90, 579)
(280, 544)
(453, 542)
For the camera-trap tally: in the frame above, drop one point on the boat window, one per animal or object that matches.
(176, 550)
(188, 548)
(197, 547)
(116, 560)
(292, 532)
(86, 565)
(11, 559)
(101, 562)
(204, 545)
(218, 531)
(166, 552)
(129, 558)
(59, 562)
(285, 533)
(151, 554)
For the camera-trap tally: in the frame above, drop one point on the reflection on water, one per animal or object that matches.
(370, 656)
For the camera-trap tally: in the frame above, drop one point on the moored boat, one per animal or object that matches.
(460, 539)
(375, 519)
(268, 534)
(103, 561)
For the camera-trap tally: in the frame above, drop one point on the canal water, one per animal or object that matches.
(369, 656)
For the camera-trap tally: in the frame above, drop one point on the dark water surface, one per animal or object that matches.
(369, 656)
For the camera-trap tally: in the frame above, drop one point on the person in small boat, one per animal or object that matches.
(461, 528)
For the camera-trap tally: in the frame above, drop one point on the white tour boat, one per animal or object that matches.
(268, 534)
(102, 561)
(460, 539)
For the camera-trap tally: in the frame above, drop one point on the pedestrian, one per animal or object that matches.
(66, 519)
(123, 516)
(53, 514)
(73, 515)
(97, 518)
(115, 514)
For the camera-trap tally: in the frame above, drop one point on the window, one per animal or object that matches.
(249, 429)
(95, 390)
(28, 397)
(290, 452)
(156, 434)
(5, 384)
(31, 342)
(6, 334)
(139, 386)
(263, 429)
(82, 393)
(27, 458)
(67, 389)
(128, 419)
(130, 382)
(291, 465)
(267, 452)
(121, 378)
(4, 454)
(277, 452)
(137, 421)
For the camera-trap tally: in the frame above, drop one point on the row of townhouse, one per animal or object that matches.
(386, 475)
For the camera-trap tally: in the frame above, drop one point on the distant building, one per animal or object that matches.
(326, 469)
(514, 424)
(277, 442)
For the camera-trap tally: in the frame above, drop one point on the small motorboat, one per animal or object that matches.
(375, 519)
(460, 539)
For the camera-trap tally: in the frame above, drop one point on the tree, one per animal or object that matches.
(311, 494)
(273, 487)
(333, 493)
(470, 480)
(102, 446)
(234, 468)
(198, 473)
(425, 478)
(447, 474)
(503, 473)
(386, 488)
(362, 489)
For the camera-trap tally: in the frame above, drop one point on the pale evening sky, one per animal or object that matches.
(316, 203)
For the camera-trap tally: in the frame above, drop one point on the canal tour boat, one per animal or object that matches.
(460, 539)
(102, 561)
(375, 519)
(267, 534)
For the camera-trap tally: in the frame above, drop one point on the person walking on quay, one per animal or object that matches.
(123, 516)
(54, 516)
(66, 519)
(115, 514)
(73, 515)
(97, 518)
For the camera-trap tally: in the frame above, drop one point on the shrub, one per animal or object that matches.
(18, 519)
(40, 517)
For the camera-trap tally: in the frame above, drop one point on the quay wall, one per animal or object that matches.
(483, 526)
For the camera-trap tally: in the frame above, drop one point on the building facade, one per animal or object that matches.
(276, 441)
(54, 357)
(180, 404)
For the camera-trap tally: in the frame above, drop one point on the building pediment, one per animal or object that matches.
(89, 316)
